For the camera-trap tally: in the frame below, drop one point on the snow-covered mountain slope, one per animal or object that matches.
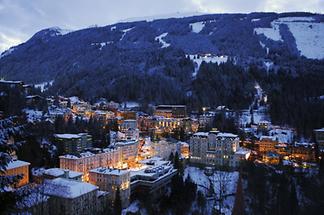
(265, 39)
(307, 31)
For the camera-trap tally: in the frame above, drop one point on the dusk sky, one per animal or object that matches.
(20, 19)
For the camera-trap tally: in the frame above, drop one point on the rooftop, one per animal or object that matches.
(57, 172)
(16, 164)
(66, 188)
(109, 171)
(201, 134)
(227, 135)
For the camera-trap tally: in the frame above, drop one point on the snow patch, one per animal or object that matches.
(44, 85)
(255, 20)
(160, 39)
(197, 26)
(102, 44)
(125, 32)
(272, 33)
(33, 115)
(7, 52)
(197, 59)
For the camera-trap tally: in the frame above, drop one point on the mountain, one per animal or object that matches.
(157, 60)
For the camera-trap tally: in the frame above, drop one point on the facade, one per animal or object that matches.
(319, 137)
(171, 111)
(164, 148)
(71, 197)
(110, 180)
(110, 157)
(217, 149)
(73, 143)
(18, 167)
(127, 124)
(266, 144)
(303, 152)
(129, 150)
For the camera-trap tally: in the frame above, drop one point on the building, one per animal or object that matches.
(217, 149)
(319, 137)
(110, 180)
(171, 111)
(84, 162)
(184, 149)
(198, 147)
(266, 144)
(129, 150)
(72, 143)
(164, 148)
(152, 178)
(127, 124)
(18, 167)
(72, 197)
(304, 152)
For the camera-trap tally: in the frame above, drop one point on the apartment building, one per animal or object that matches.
(110, 180)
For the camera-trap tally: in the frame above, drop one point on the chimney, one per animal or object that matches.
(66, 174)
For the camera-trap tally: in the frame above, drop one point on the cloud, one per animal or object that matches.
(20, 19)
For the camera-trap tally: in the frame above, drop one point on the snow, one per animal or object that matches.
(307, 33)
(7, 52)
(282, 135)
(130, 104)
(255, 20)
(102, 44)
(74, 100)
(59, 31)
(205, 134)
(66, 188)
(16, 164)
(208, 58)
(58, 172)
(132, 208)
(109, 171)
(125, 32)
(296, 19)
(160, 39)
(309, 38)
(67, 136)
(197, 26)
(229, 180)
(113, 28)
(43, 86)
(272, 33)
(33, 115)
(268, 65)
(230, 135)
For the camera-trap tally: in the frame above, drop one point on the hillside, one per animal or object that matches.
(159, 58)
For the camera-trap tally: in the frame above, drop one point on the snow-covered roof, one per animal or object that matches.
(109, 171)
(66, 188)
(57, 172)
(242, 151)
(201, 134)
(320, 129)
(16, 164)
(67, 136)
(227, 135)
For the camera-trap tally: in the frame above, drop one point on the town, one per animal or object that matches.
(85, 157)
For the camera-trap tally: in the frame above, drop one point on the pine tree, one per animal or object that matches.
(117, 203)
